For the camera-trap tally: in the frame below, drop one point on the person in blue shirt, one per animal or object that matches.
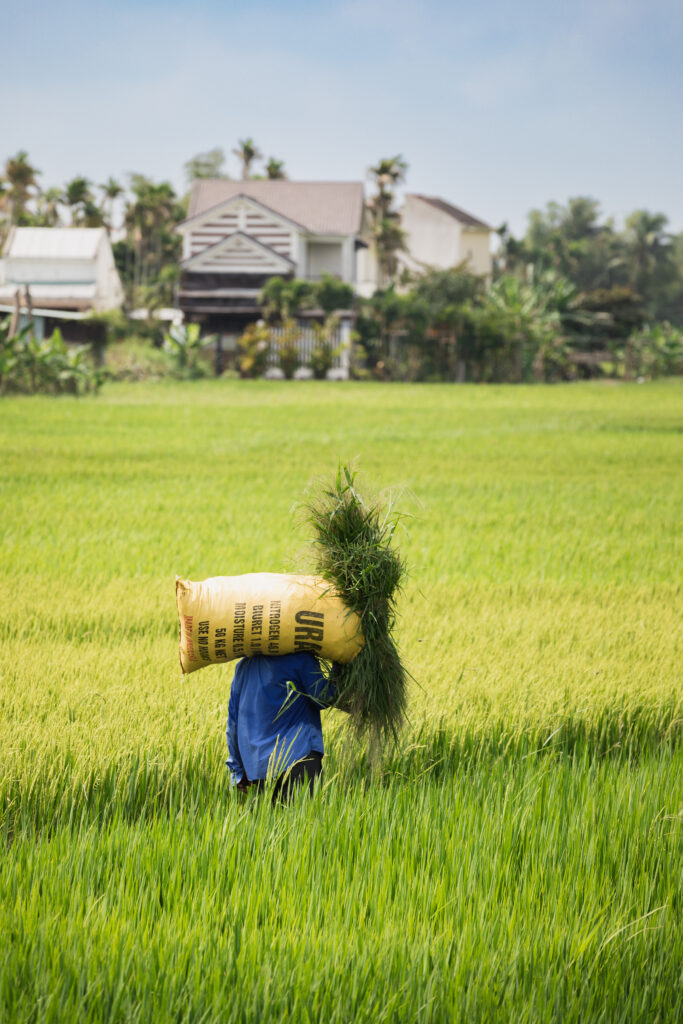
(274, 728)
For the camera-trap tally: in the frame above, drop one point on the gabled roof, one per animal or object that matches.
(321, 207)
(228, 243)
(452, 211)
(53, 243)
(225, 204)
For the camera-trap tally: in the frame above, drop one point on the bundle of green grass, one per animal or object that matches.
(354, 551)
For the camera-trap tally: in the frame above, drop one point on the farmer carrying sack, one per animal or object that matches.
(228, 617)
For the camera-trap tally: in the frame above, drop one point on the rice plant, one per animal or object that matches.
(516, 857)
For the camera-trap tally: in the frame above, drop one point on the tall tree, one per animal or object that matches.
(671, 306)
(512, 254)
(275, 169)
(205, 165)
(78, 196)
(21, 185)
(387, 235)
(111, 190)
(91, 215)
(150, 218)
(48, 203)
(389, 172)
(247, 151)
(571, 241)
(651, 255)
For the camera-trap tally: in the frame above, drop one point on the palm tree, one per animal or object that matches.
(389, 172)
(386, 230)
(48, 208)
(149, 219)
(389, 241)
(649, 247)
(205, 165)
(77, 196)
(247, 151)
(111, 190)
(91, 215)
(275, 169)
(21, 177)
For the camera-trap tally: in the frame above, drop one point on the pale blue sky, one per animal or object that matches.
(497, 107)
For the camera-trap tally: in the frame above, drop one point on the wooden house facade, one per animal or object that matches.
(238, 234)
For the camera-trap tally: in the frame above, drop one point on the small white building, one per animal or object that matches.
(65, 269)
(441, 235)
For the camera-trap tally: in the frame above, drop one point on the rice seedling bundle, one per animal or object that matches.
(355, 551)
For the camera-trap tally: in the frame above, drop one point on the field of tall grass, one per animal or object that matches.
(518, 856)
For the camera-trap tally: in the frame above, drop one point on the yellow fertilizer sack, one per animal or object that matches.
(228, 617)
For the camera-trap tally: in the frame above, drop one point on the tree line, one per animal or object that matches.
(575, 295)
(146, 249)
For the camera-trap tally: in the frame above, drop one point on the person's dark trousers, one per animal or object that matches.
(304, 771)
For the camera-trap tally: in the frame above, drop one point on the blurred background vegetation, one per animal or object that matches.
(575, 297)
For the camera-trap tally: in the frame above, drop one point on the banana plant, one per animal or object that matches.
(30, 365)
(184, 342)
(10, 349)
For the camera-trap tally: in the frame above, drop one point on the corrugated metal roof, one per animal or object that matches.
(452, 211)
(321, 207)
(53, 243)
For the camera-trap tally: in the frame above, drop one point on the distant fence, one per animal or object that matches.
(307, 341)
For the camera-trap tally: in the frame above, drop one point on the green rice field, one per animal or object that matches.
(517, 857)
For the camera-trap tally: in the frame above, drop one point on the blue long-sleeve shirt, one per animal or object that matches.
(274, 713)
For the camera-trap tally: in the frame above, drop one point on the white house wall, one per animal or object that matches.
(109, 291)
(476, 249)
(366, 272)
(435, 238)
(432, 236)
(324, 258)
(349, 261)
(35, 271)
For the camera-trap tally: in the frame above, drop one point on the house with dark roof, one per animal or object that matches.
(238, 234)
(439, 234)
